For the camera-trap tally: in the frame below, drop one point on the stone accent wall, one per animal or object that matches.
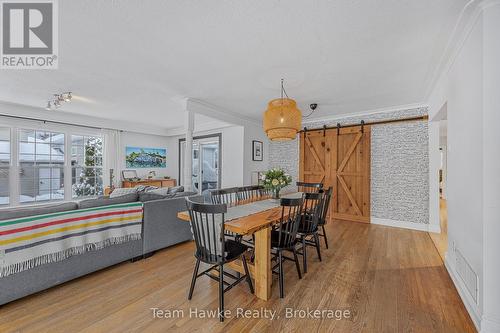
(399, 165)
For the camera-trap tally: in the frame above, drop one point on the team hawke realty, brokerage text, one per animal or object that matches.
(261, 313)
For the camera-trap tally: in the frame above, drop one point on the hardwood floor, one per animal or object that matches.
(441, 240)
(391, 280)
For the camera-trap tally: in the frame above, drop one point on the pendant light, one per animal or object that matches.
(282, 119)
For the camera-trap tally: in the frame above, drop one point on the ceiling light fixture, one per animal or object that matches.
(56, 103)
(282, 119)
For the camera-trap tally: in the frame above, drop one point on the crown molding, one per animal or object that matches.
(463, 27)
(367, 112)
(72, 119)
(213, 111)
(213, 125)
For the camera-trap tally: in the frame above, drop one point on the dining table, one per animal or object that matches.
(254, 217)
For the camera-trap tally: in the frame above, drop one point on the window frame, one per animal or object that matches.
(16, 125)
(8, 166)
(37, 167)
(71, 167)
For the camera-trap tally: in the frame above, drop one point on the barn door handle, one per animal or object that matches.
(362, 126)
(338, 129)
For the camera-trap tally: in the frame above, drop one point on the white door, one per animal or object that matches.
(206, 160)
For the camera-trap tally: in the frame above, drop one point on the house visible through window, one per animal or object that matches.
(86, 165)
(4, 165)
(41, 166)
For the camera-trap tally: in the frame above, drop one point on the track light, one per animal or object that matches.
(58, 100)
(67, 97)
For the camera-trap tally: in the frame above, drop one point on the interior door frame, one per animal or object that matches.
(200, 137)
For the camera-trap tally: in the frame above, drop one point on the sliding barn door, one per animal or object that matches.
(340, 159)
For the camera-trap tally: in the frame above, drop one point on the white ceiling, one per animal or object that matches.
(136, 60)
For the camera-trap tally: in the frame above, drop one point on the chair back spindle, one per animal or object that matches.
(291, 211)
(228, 196)
(207, 223)
(327, 195)
(313, 204)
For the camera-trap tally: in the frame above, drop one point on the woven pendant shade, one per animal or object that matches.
(282, 119)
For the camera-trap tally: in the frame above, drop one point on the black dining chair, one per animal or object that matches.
(228, 196)
(308, 227)
(327, 195)
(212, 247)
(284, 236)
(250, 193)
(309, 187)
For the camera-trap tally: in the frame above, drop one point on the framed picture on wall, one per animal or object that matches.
(257, 150)
(138, 157)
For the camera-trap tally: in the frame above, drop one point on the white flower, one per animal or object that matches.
(275, 182)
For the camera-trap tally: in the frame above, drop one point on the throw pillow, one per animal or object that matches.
(118, 192)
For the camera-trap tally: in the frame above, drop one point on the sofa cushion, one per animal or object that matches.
(176, 189)
(160, 191)
(148, 196)
(18, 212)
(118, 192)
(183, 194)
(90, 203)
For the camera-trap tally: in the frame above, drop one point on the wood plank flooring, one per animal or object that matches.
(390, 279)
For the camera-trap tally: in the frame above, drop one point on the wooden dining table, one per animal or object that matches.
(259, 224)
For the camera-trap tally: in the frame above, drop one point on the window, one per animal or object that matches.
(86, 165)
(41, 166)
(4, 165)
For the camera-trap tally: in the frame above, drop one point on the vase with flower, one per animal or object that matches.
(274, 180)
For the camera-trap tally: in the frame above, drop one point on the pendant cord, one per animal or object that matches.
(283, 90)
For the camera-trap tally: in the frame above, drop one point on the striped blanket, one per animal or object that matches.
(37, 240)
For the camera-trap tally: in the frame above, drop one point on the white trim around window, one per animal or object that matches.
(15, 126)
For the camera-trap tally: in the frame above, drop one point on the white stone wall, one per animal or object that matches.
(399, 165)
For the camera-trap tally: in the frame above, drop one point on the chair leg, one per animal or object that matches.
(221, 292)
(193, 281)
(316, 242)
(281, 274)
(297, 262)
(324, 235)
(247, 273)
(304, 254)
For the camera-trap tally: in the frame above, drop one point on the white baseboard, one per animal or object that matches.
(406, 225)
(469, 303)
(490, 325)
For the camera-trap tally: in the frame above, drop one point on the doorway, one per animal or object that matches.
(441, 239)
(206, 161)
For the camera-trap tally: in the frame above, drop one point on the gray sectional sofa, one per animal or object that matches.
(161, 229)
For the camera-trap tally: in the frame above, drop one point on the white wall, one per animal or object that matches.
(232, 154)
(491, 169)
(465, 156)
(469, 88)
(254, 132)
